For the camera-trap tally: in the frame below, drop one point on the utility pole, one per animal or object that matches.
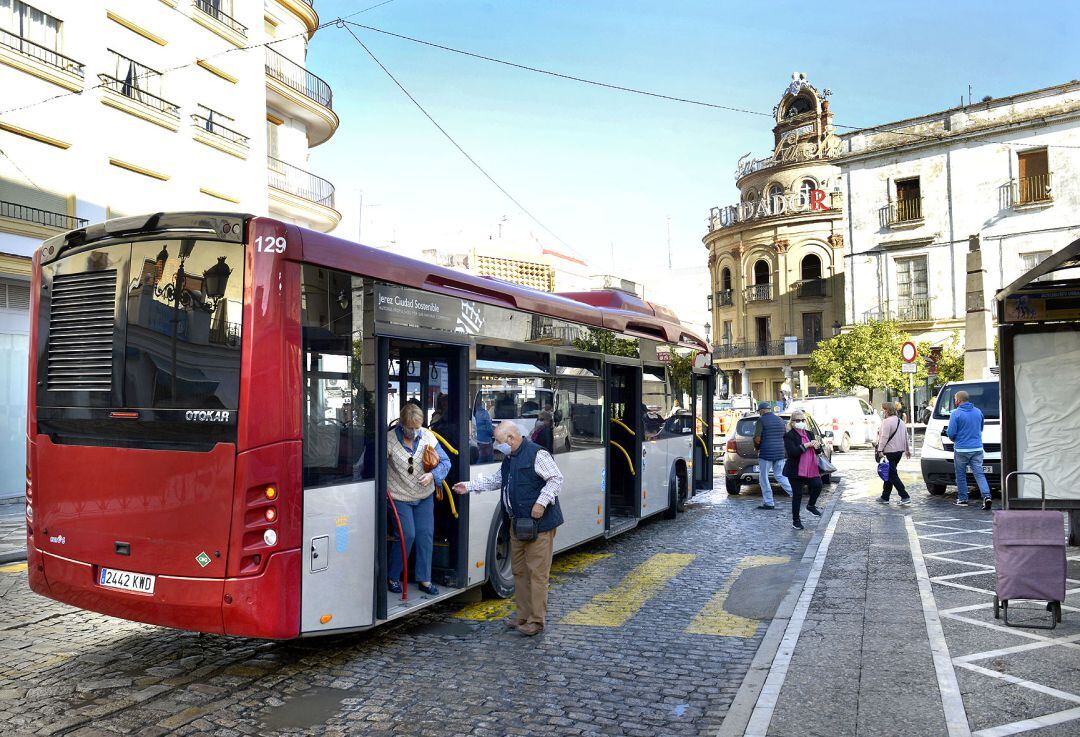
(669, 243)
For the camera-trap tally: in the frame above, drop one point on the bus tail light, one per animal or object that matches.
(270, 538)
(271, 514)
(261, 512)
(835, 424)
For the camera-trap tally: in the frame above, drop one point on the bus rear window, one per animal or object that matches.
(986, 395)
(183, 325)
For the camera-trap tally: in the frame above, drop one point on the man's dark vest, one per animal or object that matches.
(772, 437)
(522, 486)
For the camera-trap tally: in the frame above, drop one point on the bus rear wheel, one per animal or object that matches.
(500, 573)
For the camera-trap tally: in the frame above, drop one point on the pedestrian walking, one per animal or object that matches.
(530, 483)
(769, 440)
(892, 444)
(485, 430)
(411, 488)
(801, 467)
(965, 430)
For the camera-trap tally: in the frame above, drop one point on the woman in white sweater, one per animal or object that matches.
(411, 491)
(892, 443)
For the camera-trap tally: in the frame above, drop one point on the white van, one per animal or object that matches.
(937, 450)
(851, 420)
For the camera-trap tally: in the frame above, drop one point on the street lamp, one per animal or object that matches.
(836, 328)
(215, 279)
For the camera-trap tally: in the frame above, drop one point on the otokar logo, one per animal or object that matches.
(58, 539)
(212, 415)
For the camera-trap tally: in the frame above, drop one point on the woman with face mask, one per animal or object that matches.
(411, 491)
(801, 465)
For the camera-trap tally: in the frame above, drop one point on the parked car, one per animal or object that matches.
(741, 457)
(937, 450)
(851, 420)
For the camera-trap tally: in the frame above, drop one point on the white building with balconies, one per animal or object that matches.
(132, 106)
(1006, 170)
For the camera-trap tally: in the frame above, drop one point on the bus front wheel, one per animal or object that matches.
(500, 573)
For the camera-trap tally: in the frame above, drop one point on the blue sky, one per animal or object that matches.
(600, 167)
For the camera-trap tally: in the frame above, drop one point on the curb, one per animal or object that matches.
(746, 698)
(17, 557)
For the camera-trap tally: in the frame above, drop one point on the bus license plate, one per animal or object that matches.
(126, 581)
(988, 469)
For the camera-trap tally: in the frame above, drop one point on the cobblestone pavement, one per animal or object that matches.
(12, 531)
(898, 635)
(649, 634)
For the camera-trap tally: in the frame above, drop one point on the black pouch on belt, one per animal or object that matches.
(525, 528)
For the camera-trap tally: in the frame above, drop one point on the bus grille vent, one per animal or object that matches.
(81, 321)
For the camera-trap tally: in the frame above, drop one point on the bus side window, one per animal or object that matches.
(338, 417)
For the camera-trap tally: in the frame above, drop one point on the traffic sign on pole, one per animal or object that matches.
(908, 352)
(909, 368)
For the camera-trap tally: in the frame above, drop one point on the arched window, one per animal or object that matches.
(725, 279)
(775, 191)
(799, 106)
(804, 190)
(761, 272)
(811, 267)
(750, 195)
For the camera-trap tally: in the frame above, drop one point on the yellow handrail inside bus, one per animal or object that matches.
(630, 462)
(444, 441)
(450, 496)
(704, 446)
(624, 427)
(699, 421)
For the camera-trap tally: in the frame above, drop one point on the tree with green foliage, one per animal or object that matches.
(951, 364)
(868, 355)
(599, 340)
(679, 370)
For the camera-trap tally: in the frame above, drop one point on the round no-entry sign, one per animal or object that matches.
(908, 352)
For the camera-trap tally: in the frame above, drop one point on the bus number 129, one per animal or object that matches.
(270, 244)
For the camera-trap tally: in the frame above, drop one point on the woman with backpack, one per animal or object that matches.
(892, 444)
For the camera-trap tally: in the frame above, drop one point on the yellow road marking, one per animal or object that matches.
(13, 568)
(714, 620)
(488, 609)
(872, 487)
(615, 606)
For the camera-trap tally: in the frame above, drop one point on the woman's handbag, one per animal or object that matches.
(525, 528)
(430, 458)
(883, 470)
(824, 465)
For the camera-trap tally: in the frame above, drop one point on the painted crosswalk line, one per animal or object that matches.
(615, 606)
(13, 568)
(713, 619)
(488, 609)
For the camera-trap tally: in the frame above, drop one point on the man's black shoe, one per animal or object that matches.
(766, 506)
(814, 511)
(987, 503)
(797, 526)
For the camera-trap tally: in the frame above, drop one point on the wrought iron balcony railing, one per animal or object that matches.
(902, 211)
(725, 298)
(758, 348)
(1030, 190)
(297, 77)
(213, 9)
(759, 293)
(209, 120)
(294, 180)
(909, 310)
(40, 217)
(810, 288)
(41, 53)
(146, 98)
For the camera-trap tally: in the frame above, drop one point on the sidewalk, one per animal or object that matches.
(12, 532)
(893, 631)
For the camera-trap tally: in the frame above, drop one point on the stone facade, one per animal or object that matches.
(776, 257)
(1005, 170)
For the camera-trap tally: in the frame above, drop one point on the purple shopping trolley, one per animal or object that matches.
(1029, 556)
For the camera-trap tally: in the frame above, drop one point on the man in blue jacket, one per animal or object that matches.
(965, 430)
(769, 440)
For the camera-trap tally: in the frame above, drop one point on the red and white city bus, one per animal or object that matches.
(210, 395)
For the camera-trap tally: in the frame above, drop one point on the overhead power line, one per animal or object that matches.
(466, 154)
(651, 93)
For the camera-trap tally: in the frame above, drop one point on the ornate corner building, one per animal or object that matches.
(776, 257)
